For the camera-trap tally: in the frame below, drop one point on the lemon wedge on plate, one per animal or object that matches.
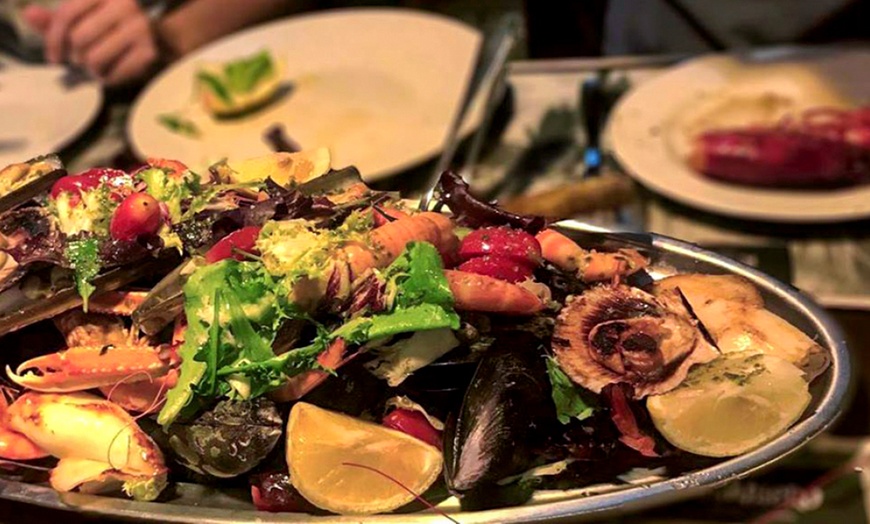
(329, 455)
(283, 168)
(731, 405)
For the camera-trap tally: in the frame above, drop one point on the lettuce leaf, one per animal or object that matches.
(571, 401)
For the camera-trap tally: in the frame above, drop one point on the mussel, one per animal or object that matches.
(504, 416)
(229, 440)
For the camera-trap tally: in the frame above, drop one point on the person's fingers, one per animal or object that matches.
(37, 17)
(132, 65)
(98, 24)
(101, 56)
(64, 18)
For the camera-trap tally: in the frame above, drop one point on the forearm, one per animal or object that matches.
(198, 22)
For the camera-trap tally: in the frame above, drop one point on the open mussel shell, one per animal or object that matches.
(68, 297)
(20, 183)
(504, 415)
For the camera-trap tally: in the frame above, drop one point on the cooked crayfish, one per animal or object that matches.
(589, 265)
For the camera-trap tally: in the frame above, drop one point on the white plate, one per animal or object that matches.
(379, 87)
(39, 114)
(650, 126)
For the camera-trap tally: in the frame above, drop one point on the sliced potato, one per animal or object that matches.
(731, 405)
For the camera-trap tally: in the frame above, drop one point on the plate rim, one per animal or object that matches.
(632, 498)
(471, 124)
(83, 124)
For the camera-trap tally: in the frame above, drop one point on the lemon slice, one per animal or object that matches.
(731, 405)
(321, 444)
(283, 168)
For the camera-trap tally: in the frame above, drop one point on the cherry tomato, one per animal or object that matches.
(501, 268)
(174, 167)
(244, 239)
(504, 242)
(274, 492)
(138, 215)
(413, 423)
(86, 181)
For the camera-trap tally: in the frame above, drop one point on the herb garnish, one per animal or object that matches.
(571, 401)
(180, 125)
(84, 256)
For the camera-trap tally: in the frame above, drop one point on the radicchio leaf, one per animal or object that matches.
(468, 211)
(369, 296)
(207, 227)
(631, 422)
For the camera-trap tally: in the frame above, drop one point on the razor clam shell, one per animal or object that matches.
(165, 301)
(68, 298)
(31, 189)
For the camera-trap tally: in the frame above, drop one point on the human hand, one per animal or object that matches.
(112, 39)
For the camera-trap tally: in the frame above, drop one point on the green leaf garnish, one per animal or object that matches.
(84, 256)
(180, 125)
(571, 401)
(243, 75)
(215, 85)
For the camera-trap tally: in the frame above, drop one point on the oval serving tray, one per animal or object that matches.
(203, 505)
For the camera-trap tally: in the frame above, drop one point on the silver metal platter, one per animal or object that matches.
(194, 503)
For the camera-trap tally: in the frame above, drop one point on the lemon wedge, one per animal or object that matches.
(283, 168)
(329, 455)
(731, 405)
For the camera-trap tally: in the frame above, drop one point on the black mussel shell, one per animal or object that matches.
(228, 440)
(505, 415)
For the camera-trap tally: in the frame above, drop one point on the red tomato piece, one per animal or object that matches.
(501, 268)
(413, 423)
(174, 167)
(505, 242)
(244, 239)
(139, 214)
(86, 181)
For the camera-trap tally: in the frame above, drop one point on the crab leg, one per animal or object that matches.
(87, 367)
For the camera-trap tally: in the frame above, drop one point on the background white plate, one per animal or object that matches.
(39, 114)
(648, 127)
(379, 87)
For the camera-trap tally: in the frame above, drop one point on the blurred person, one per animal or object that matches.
(694, 26)
(120, 41)
(614, 27)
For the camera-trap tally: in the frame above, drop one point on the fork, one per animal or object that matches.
(489, 64)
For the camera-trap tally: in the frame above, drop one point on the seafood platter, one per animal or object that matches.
(273, 340)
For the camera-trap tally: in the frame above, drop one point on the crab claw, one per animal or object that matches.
(86, 367)
(99, 445)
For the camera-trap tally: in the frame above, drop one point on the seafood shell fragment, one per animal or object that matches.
(613, 334)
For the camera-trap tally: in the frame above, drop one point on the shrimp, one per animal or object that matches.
(387, 242)
(473, 292)
(589, 265)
